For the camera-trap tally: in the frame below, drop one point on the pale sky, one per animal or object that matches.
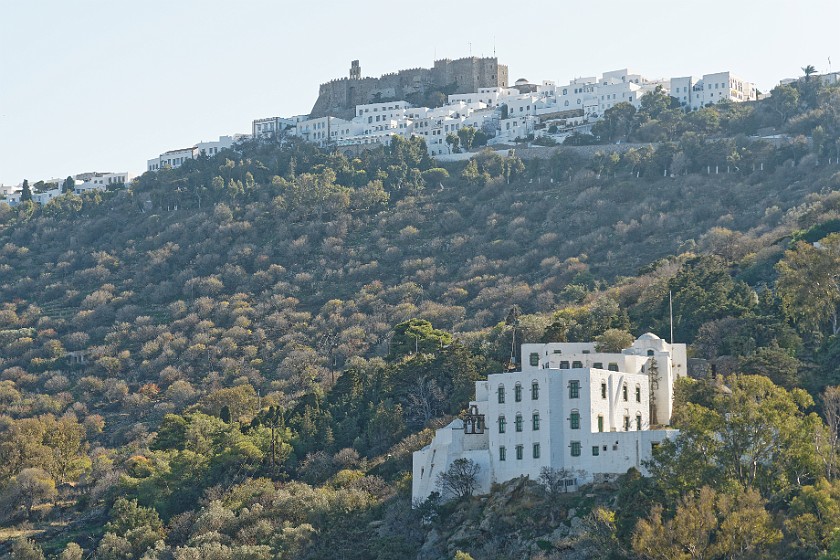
(104, 85)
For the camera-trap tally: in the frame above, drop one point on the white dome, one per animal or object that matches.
(649, 336)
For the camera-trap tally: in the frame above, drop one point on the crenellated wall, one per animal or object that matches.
(340, 96)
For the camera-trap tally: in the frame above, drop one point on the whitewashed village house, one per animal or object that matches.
(570, 407)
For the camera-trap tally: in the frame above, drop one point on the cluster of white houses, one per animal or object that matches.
(82, 183)
(587, 413)
(505, 114)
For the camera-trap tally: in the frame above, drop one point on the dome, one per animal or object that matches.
(649, 336)
(521, 82)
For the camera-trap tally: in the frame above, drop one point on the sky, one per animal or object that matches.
(104, 85)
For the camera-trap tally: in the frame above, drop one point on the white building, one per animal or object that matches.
(99, 181)
(324, 131)
(570, 407)
(212, 148)
(45, 196)
(172, 158)
(712, 89)
(176, 158)
(274, 126)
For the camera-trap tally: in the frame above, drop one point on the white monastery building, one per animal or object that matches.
(571, 407)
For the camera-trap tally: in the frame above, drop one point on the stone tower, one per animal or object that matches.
(355, 70)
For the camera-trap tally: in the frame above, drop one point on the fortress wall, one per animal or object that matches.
(339, 97)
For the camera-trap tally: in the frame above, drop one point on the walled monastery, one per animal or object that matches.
(355, 112)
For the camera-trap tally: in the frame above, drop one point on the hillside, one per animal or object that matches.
(252, 345)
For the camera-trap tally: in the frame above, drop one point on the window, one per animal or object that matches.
(502, 453)
(535, 390)
(639, 422)
(519, 449)
(638, 393)
(626, 423)
(612, 366)
(577, 365)
(518, 422)
(517, 392)
(598, 365)
(595, 450)
(603, 390)
(574, 389)
(534, 359)
(536, 451)
(600, 423)
(575, 449)
(564, 365)
(650, 352)
(502, 424)
(535, 421)
(624, 391)
(501, 394)
(574, 420)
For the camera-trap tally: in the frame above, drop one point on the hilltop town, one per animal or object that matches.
(455, 106)
(469, 93)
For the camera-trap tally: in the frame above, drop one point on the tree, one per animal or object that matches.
(68, 186)
(435, 176)
(773, 362)
(418, 336)
(813, 516)
(460, 479)
(71, 552)
(453, 141)
(613, 340)
(784, 100)
(133, 529)
(66, 438)
(710, 525)
(808, 70)
(618, 122)
(466, 135)
(831, 410)
(26, 192)
(30, 488)
(26, 549)
(471, 174)
(809, 284)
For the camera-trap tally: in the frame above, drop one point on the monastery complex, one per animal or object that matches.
(355, 111)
